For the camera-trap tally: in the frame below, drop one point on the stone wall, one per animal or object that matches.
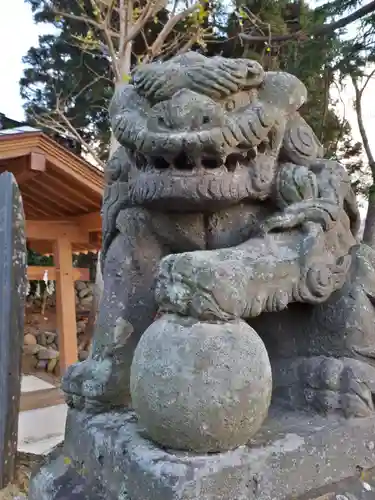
(41, 342)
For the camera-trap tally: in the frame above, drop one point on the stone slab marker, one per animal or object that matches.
(12, 297)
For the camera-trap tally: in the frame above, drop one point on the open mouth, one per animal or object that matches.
(185, 164)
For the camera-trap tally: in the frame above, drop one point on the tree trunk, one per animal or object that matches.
(369, 231)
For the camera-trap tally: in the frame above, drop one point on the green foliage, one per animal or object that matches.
(60, 66)
(310, 59)
(72, 67)
(350, 154)
(59, 69)
(40, 287)
(315, 60)
(35, 259)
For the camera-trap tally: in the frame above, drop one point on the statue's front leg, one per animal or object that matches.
(264, 274)
(127, 309)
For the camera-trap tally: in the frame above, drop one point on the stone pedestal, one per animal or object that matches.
(108, 457)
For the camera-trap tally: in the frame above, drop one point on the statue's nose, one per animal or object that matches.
(189, 111)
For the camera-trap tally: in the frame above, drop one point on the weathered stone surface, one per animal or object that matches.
(359, 487)
(47, 353)
(31, 349)
(13, 260)
(52, 363)
(80, 285)
(42, 339)
(85, 292)
(193, 386)
(82, 355)
(81, 325)
(41, 328)
(233, 208)
(29, 339)
(293, 454)
(50, 337)
(41, 364)
(86, 302)
(62, 482)
(220, 191)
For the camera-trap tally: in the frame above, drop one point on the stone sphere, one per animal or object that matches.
(204, 387)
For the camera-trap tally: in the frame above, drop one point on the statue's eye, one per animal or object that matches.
(230, 105)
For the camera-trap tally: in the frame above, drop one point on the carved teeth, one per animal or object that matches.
(251, 154)
(189, 165)
(233, 160)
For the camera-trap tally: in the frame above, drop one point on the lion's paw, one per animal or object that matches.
(186, 284)
(344, 384)
(222, 285)
(85, 380)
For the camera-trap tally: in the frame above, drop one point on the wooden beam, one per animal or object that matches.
(37, 273)
(60, 192)
(35, 164)
(41, 399)
(36, 206)
(58, 182)
(41, 247)
(51, 201)
(90, 222)
(15, 145)
(65, 303)
(46, 247)
(96, 239)
(24, 168)
(52, 230)
(71, 165)
(7, 154)
(58, 158)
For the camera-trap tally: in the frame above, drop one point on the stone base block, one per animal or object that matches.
(107, 457)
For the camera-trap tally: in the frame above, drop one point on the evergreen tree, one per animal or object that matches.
(69, 78)
(59, 69)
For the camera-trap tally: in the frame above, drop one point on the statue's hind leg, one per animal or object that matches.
(323, 356)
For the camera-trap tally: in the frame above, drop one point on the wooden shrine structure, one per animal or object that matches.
(62, 196)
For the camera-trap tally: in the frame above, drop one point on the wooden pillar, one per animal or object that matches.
(65, 302)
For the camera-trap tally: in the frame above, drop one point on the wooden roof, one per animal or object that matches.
(58, 187)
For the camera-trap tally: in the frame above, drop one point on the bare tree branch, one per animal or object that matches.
(359, 112)
(324, 29)
(160, 40)
(84, 19)
(367, 80)
(116, 41)
(48, 120)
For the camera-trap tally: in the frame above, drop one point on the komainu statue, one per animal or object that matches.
(231, 262)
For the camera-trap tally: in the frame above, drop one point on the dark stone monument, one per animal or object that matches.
(233, 356)
(13, 260)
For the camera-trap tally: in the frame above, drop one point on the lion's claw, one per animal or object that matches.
(344, 384)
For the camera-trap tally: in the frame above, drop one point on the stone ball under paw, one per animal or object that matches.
(204, 387)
